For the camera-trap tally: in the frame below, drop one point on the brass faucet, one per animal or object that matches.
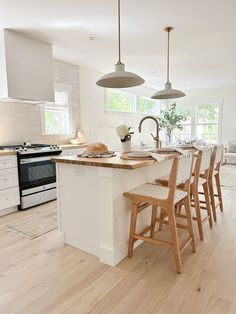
(156, 138)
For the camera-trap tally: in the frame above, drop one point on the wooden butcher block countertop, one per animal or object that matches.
(113, 162)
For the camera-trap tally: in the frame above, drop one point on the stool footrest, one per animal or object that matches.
(185, 244)
(166, 222)
(146, 230)
(163, 243)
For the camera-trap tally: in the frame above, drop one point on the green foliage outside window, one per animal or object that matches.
(208, 113)
(146, 106)
(119, 101)
(55, 122)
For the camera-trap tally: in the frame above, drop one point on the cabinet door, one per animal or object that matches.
(9, 198)
(7, 162)
(8, 178)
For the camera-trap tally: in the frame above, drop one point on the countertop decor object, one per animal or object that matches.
(170, 120)
(120, 78)
(124, 134)
(81, 136)
(168, 92)
(97, 155)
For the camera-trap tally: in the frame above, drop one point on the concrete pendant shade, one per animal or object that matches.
(120, 78)
(168, 92)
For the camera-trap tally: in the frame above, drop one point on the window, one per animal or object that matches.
(202, 123)
(208, 117)
(146, 105)
(56, 117)
(120, 101)
(186, 111)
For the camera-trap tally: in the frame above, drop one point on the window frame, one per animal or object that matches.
(58, 87)
(219, 123)
(195, 123)
(134, 104)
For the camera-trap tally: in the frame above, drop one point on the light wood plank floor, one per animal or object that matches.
(45, 276)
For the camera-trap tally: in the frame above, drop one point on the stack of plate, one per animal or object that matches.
(165, 150)
(139, 154)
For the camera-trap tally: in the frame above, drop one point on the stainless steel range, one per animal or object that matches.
(37, 173)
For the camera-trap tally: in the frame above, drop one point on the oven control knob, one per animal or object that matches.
(51, 146)
(25, 149)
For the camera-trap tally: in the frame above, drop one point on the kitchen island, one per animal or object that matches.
(93, 213)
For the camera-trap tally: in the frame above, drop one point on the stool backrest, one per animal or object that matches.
(181, 173)
(184, 168)
(197, 166)
(206, 159)
(219, 154)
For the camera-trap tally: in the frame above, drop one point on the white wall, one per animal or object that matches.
(100, 125)
(224, 95)
(22, 122)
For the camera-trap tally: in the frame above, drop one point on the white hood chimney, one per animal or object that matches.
(26, 69)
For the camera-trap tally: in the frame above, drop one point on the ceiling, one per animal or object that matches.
(203, 43)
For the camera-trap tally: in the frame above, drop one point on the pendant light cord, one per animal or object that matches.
(119, 32)
(168, 57)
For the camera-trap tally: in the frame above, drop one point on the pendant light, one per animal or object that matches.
(120, 78)
(168, 92)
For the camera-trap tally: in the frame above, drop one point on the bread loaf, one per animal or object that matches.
(97, 148)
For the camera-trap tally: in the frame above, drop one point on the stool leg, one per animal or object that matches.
(197, 211)
(175, 240)
(190, 221)
(153, 221)
(208, 205)
(161, 218)
(213, 205)
(133, 221)
(217, 178)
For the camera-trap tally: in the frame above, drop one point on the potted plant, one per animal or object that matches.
(124, 134)
(170, 120)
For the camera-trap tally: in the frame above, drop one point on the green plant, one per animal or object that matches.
(171, 120)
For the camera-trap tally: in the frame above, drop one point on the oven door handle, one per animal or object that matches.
(36, 159)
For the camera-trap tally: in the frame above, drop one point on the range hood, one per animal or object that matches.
(26, 69)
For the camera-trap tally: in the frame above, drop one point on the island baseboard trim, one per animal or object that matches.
(113, 256)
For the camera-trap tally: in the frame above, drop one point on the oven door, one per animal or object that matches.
(36, 171)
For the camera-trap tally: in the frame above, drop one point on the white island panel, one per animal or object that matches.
(94, 215)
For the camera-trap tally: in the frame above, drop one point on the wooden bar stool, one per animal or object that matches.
(199, 180)
(214, 174)
(167, 198)
(202, 183)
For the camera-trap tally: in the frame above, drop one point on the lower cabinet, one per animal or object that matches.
(9, 197)
(9, 184)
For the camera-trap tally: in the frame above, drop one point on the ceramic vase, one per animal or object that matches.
(126, 146)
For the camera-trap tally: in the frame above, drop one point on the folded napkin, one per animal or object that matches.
(181, 151)
(195, 145)
(158, 157)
